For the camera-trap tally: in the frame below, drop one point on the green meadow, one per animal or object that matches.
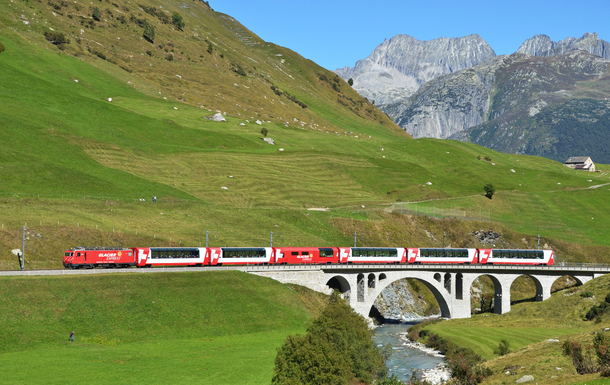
(217, 327)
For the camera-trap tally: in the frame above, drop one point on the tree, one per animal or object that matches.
(337, 349)
(264, 131)
(503, 348)
(177, 21)
(350, 81)
(489, 190)
(97, 15)
(149, 32)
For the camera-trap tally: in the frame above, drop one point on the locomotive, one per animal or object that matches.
(83, 257)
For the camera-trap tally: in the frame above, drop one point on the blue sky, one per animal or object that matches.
(338, 33)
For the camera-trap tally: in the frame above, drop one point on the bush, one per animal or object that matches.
(169, 57)
(582, 362)
(149, 32)
(56, 37)
(2, 48)
(264, 131)
(601, 343)
(503, 348)
(97, 15)
(177, 21)
(350, 81)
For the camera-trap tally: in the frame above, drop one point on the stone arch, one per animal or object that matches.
(459, 283)
(538, 284)
(578, 281)
(437, 276)
(340, 283)
(498, 294)
(360, 286)
(442, 299)
(447, 282)
(372, 280)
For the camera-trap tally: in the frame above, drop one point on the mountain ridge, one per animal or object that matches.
(399, 66)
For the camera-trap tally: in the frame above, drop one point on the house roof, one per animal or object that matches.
(578, 159)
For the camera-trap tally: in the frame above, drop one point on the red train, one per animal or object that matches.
(217, 256)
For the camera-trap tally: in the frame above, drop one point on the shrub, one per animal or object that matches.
(169, 57)
(582, 362)
(97, 15)
(149, 52)
(149, 32)
(56, 37)
(350, 81)
(489, 190)
(238, 69)
(210, 47)
(601, 343)
(264, 131)
(177, 21)
(503, 348)
(2, 48)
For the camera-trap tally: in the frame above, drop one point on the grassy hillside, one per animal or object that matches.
(222, 327)
(527, 327)
(75, 166)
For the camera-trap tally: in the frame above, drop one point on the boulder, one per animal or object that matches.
(525, 378)
(216, 117)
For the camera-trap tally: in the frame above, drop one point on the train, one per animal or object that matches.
(86, 257)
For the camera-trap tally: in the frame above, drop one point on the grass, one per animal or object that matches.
(223, 327)
(527, 327)
(114, 153)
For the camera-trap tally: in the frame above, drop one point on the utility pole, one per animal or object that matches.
(443, 239)
(538, 241)
(22, 259)
(271, 240)
(206, 236)
(355, 238)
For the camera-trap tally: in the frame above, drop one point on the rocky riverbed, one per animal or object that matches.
(408, 356)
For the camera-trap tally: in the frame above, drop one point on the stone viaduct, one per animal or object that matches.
(362, 284)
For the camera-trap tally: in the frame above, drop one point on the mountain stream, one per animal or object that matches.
(406, 357)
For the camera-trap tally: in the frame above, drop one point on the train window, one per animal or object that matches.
(66, 254)
(326, 252)
(295, 253)
(305, 253)
(78, 254)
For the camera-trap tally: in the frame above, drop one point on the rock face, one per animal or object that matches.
(449, 104)
(399, 66)
(399, 302)
(542, 45)
(517, 104)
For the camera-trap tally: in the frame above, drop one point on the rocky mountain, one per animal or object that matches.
(518, 104)
(542, 45)
(399, 66)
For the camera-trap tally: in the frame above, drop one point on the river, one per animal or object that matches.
(404, 358)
